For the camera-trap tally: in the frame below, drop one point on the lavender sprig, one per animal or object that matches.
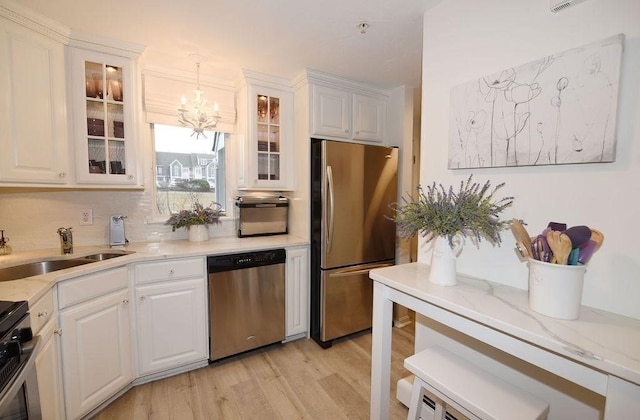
(199, 215)
(472, 212)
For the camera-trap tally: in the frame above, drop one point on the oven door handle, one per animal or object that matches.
(22, 375)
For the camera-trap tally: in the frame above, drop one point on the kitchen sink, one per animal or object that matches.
(42, 267)
(106, 255)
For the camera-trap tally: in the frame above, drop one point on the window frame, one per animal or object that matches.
(228, 181)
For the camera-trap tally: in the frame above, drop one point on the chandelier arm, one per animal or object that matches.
(197, 117)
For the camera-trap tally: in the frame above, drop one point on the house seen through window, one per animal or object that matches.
(187, 169)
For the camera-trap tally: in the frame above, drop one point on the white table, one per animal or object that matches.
(599, 351)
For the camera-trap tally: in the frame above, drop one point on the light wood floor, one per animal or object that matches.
(296, 380)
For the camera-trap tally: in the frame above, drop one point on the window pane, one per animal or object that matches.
(187, 169)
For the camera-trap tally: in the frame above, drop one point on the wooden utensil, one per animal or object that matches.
(560, 244)
(597, 237)
(522, 236)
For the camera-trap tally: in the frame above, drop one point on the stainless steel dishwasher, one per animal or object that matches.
(246, 301)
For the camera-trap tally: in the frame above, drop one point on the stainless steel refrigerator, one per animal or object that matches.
(352, 186)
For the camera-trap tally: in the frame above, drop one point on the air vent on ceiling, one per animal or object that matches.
(558, 5)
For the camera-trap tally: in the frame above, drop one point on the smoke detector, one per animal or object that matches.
(558, 5)
(363, 27)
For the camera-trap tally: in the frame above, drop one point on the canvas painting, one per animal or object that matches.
(560, 109)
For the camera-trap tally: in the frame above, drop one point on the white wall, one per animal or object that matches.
(467, 39)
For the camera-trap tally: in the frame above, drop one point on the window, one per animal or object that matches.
(187, 169)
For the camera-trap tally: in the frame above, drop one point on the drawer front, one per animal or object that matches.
(170, 270)
(86, 287)
(41, 312)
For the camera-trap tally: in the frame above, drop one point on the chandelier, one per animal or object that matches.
(196, 116)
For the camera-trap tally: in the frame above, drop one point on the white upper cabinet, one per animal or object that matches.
(33, 117)
(105, 101)
(267, 136)
(331, 112)
(369, 117)
(67, 97)
(347, 112)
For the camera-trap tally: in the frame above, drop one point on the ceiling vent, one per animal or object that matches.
(558, 5)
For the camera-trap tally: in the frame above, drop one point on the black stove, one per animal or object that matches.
(14, 330)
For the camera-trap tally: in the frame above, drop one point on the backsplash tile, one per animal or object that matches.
(31, 219)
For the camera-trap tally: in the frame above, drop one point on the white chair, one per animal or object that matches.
(470, 390)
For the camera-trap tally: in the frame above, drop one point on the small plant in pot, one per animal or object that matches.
(199, 216)
(449, 216)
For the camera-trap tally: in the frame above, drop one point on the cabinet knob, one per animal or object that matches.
(125, 301)
(142, 298)
(130, 176)
(44, 314)
(62, 174)
(58, 331)
(171, 272)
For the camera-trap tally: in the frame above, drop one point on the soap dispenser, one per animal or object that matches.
(5, 248)
(116, 230)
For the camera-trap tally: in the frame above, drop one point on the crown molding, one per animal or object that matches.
(34, 21)
(188, 77)
(266, 80)
(105, 45)
(325, 79)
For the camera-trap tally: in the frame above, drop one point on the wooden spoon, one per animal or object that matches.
(522, 236)
(597, 237)
(560, 244)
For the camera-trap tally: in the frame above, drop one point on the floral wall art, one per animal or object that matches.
(559, 109)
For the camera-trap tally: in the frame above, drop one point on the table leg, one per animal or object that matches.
(623, 400)
(381, 352)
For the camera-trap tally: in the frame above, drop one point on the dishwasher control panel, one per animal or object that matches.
(220, 263)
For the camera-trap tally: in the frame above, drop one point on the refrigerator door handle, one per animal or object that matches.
(329, 226)
(359, 270)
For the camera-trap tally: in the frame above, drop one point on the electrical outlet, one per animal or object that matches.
(86, 217)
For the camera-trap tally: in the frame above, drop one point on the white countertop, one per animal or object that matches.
(32, 288)
(602, 340)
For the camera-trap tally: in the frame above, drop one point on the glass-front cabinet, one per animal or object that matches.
(104, 110)
(268, 137)
(268, 143)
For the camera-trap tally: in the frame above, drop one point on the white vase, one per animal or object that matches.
(198, 233)
(443, 260)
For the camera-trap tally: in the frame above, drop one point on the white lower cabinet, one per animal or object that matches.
(297, 290)
(95, 322)
(43, 323)
(171, 314)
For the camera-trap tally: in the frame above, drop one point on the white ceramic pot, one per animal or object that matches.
(443, 260)
(198, 233)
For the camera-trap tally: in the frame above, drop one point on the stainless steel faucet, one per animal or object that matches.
(66, 240)
(5, 249)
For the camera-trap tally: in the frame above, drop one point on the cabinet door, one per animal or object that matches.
(103, 98)
(96, 351)
(297, 281)
(172, 324)
(33, 126)
(49, 374)
(331, 112)
(369, 115)
(270, 139)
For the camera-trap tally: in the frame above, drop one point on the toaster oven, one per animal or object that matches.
(259, 216)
